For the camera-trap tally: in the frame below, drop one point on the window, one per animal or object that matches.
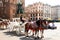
(31, 18)
(5, 11)
(4, 5)
(1, 5)
(39, 14)
(13, 0)
(36, 14)
(6, 0)
(39, 10)
(39, 7)
(39, 18)
(13, 11)
(0, 1)
(31, 15)
(45, 15)
(36, 18)
(36, 10)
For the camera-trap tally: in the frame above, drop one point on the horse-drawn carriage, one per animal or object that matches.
(35, 27)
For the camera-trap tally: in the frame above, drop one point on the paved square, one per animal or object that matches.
(48, 35)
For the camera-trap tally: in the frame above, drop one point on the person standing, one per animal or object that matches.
(23, 19)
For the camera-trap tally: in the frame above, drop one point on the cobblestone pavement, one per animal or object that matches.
(48, 35)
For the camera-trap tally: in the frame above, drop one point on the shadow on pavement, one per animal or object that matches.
(26, 38)
(29, 38)
(13, 33)
(32, 38)
(2, 29)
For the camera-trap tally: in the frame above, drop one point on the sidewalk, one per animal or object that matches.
(7, 36)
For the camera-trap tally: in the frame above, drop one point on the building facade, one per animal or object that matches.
(47, 11)
(56, 12)
(34, 11)
(38, 10)
(7, 8)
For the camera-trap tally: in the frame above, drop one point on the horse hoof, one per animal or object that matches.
(38, 37)
(42, 37)
(27, 36)
(35, 38)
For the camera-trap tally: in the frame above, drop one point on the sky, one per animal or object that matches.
(50, 2)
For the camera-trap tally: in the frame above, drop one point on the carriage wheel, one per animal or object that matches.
(18, 31)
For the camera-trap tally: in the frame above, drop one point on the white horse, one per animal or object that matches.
(13, 25)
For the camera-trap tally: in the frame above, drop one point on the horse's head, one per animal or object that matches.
(45, 22)
(39, 22)
(42, 22)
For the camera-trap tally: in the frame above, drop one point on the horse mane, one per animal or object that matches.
(44, 21)
(39, 22)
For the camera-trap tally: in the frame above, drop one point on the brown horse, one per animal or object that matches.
(36, 26)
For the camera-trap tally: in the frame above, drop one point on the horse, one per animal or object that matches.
(36, 26)
(33, 26)
(4, 24)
